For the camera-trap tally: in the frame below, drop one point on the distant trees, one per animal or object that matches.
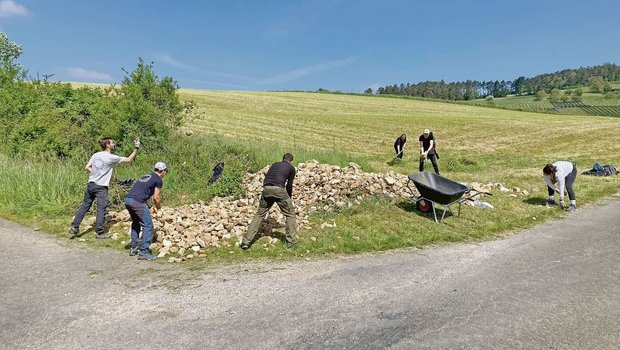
(471, 89)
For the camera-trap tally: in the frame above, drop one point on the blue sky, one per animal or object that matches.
(345, 45)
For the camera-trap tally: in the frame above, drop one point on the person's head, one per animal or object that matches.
(426, 132)
(550, 170)
(161, 169)
(107, 143)
(287, 157)
(403, 137)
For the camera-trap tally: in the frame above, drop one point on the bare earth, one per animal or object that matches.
(556, 286)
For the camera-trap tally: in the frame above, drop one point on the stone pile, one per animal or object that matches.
(188, 229)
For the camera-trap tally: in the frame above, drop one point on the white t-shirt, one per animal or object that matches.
(103, 164)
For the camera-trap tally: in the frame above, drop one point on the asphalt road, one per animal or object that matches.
(556, 286)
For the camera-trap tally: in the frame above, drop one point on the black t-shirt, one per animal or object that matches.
(281, 174)
(145, 187)
(426, 142)
(400, 143)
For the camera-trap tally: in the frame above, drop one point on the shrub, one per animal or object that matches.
(541, 95)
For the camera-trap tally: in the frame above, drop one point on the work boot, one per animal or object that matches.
(133, 251)
(550, 201)
(572, 208)
(244, 246)
(146, 256)
(74, 232)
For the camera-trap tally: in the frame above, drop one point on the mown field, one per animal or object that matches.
(478, 144)
(475, 143)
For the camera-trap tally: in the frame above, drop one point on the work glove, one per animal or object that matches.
(562, 204)
(136, 143)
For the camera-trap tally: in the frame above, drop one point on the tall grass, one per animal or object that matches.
(38, 189)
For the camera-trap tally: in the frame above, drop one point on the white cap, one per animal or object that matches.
(159, 166)
(426, 131)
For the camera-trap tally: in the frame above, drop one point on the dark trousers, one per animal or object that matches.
(433, 159)
(140, 219)
(399, 155)
(568, 183)
(270, 195)
(101, 194)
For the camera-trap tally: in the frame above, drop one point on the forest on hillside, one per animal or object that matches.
(597, 77)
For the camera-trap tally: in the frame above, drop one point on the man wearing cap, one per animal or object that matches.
(100, 166)
(277, 188)
(146, 187)
(427, 150)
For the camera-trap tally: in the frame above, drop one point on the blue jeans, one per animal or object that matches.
(101, 194)
(140, 219)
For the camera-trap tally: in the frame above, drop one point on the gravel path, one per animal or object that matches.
(556, 286)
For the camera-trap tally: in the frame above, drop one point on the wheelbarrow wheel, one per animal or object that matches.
(424, 205)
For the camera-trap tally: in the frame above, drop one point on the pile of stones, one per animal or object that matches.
(223, 221)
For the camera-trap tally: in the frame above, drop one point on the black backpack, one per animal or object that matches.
(217, 172)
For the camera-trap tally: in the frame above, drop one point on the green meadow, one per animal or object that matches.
(253, 129)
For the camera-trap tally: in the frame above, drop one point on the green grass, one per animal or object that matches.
(248, 130)
(595, 104)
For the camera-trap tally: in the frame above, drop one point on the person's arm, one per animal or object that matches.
(561, 182)
(421, 147)
(550, 184)
(431, 145)
(131, 157)
(157, 198)
(89, 166)
(289, 183)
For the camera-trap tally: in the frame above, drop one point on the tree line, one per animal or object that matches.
(597, 76)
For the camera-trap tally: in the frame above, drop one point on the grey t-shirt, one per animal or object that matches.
(102, 165)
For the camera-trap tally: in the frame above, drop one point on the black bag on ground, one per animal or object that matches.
(601, 170)
(217, 172)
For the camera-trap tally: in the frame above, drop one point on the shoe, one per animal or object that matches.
(74, 231)
(571, 209)
(550, 201)
(146, 256)
(244, 246)
(290, 245)
(133, 251)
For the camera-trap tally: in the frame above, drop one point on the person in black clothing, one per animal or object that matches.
(277, 188)
(399, 146)
(427, 150)
(146, 187)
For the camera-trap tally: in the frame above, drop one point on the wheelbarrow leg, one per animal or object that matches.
(434, 212)
(445, 210)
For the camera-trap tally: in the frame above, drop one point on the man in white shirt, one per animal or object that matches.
(100, 166)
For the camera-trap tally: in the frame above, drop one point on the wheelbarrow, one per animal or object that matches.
(437, 190)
